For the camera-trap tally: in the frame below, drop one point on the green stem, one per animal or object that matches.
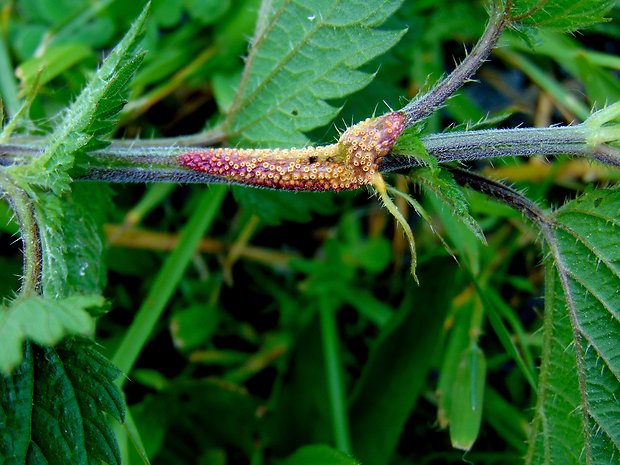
(502, 193)
(545, 82)
(168, 279)
(209, 137)
(76, 22)
(497, 143)
(425, 105)
(152, 198)
(333, 371)
(23, 208)
(147, 163)
(8, 86)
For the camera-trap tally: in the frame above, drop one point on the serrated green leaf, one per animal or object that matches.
(578, 415)
(58, 397)
(70, 232)
(16, 411)
(92, 376)
(318, 454)
(564, 15)
(304, 53)
(43, 321)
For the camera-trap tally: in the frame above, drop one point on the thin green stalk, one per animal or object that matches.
(77, 22)
(152, 198)
(23, 209)
(8, 86)
(333, 372)
(504, 335)
(497, 143)
(423, 106)
(146, 163)
(547, 83)
(498, 309)
(139, 106)
(168, 279)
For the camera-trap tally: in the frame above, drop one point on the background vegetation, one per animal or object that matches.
(256, 326)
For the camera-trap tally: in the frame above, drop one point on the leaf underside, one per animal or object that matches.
(578, 414)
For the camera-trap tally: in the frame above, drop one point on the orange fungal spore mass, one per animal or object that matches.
(348, 164)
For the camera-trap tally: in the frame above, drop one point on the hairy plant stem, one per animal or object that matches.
(501, 192)
(23, 209)
(497, 143)
(423, 106)
(146, 163)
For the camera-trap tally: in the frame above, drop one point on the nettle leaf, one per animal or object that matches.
(563, 15)
(305, 53)
(43, 321)
(60, 419)
(578, 415)
(55, 399)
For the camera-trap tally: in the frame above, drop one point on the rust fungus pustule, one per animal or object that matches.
(351, 163)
